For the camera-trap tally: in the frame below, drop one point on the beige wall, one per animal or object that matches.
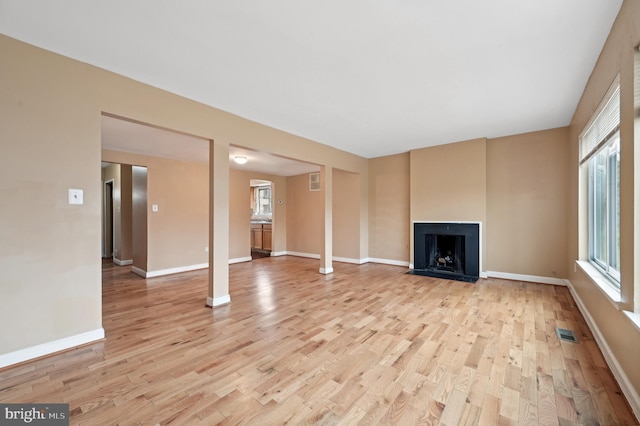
(239, 215)
(50, 253)
(527, 201)
(51, 108)
(615, 328)
(304, 216)
(122, 198)
(111, 174)
(126, 213)
(448, 183)
(178, 232)
(188, 190)
(139, 217)
(389, 208)
(517, 186)
(346, 215)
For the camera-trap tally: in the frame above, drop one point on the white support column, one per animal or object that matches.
(326, 255)
(218, 224)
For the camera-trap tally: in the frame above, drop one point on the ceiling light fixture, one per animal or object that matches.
(240, 160)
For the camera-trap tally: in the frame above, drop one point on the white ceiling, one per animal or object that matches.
(123, 135)
(372, 77)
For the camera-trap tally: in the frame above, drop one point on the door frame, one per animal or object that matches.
(105, 217)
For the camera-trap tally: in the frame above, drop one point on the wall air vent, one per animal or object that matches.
(314, 181)
(566, 335)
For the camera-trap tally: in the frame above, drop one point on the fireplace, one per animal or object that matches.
(447, 250)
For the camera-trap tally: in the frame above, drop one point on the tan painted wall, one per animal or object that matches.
(51, 109)
(304, 216)
(121, 176)
(126, 213)
(389, 207)
(346, 215)
(526, 181)
(178, 232)
(122, 198)
(192, 178)
(50, 252)
(448, 183)
(139, 216)
(616, 57)
(240, 214)
(112, 173)
(527, 201)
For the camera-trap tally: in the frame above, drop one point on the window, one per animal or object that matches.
(604, 209)
(600, 150)
(263, 200)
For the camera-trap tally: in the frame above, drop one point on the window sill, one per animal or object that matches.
(609, 290)
(634, 318)
(602, 282)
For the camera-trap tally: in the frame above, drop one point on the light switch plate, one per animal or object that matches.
(76, 196)
(154, 208)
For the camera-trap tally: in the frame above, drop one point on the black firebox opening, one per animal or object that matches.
(445, 253)
(447, 250)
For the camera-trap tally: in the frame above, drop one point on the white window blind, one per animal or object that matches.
(603, 126)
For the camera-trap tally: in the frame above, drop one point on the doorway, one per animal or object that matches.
(124, 214)
(261, 223)
(107, 231)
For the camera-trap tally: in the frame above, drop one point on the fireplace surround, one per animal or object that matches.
(449, 250)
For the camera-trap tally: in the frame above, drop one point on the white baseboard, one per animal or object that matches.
(326, 271)
(122, 262)
(527, 278)
(317, 256)
(278, 253)
(138, 271)
(623, 380)
(49, 348)
(299, 254)
(161, 272)
(237, 260)
(388, 261)
(217, 301)
(349, 260)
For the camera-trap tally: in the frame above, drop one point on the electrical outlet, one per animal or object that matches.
(206, 249)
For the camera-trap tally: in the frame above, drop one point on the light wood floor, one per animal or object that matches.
(365, 345)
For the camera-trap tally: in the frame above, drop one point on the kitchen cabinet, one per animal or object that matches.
(266, 237)
(261, 236)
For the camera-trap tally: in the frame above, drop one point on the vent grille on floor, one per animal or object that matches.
(566, 335)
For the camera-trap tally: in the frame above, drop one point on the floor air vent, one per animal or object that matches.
(566, 335)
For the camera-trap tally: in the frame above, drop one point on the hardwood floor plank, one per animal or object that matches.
(367, 344)
(470, 415)
(454, 408)
(528, 413)
(490, 410)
